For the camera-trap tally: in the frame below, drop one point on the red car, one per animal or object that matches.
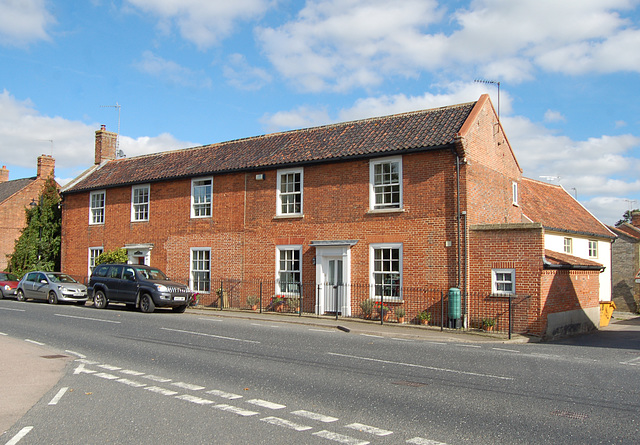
(8, 285)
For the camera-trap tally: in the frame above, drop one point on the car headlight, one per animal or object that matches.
(162, 288)
(7, 287)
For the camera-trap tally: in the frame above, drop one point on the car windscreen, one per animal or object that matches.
(152, 274)
(8, 277)
(60, 278)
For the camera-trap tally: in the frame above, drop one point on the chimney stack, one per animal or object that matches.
(46, 166)
(635, 218)
(4, 174)
(105, 145)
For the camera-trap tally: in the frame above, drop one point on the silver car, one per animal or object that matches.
(51, 286)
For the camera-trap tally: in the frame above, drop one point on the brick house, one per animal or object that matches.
(626, 264)
(381, 206)
(15, 196)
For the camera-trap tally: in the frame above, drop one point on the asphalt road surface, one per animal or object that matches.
(210, 377)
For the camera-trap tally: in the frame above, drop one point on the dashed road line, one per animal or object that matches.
(341, 438)
(155, 378)
(58, 396)
(469, 346)
(224, 395)
(236, 410)
(194, 399)
(132, 383)
(131, 372)
(106, 376)
(12, 309)
(631, 362)
(18, 437)
(110, 367)
(371, 335)
(413, 365)
(266, 404)
(162, 391)
(369, 429)
(35, 342)
(187, 386)
(506, 350)
(77, 354)
(285, 423)
(221, 337)
(88, 318)
(421, 441)
(314, 416)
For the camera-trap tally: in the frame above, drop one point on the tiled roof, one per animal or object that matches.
(420, 130)
(9, 188)
(627, 230)
(560, 260)
(554, 208)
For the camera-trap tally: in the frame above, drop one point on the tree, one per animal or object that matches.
(116, 256)
(38, 247)
(626, 217)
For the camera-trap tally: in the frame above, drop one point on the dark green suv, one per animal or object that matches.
(140, 286)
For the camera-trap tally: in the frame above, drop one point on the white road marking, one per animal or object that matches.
(155, 378)
(132, 383)
(193, 399)
(18, 437)
(412, 365)
(34, 342)
(86, 362)
(371, 335)
(131, 372)
(314, 416)
(12, 309)
(222, 337)
(401, 339)
(188, 386)
(2, 333)
(163, 391)
(505, 350)
(341, 438)
(88, 318)
(631, 362)
(369, 429)
(77, 354)
(285, 423)
(224, 395)
(322, 330)
(81, 369)
(107, 376)
(235, 410)
(266, 404)
(58, 396)
(421, 441)
(469, 346)
(110, 367)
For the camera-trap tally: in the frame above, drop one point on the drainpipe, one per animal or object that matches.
(458, 216)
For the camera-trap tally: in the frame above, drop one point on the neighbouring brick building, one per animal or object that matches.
(431, 199)
(626, 264)
(15, 197)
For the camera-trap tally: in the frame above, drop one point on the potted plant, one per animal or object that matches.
(424, 317)
(367, 308)
(252, 302)
(293, 303)
(382, 309)
(400, 314)
(488, 324)
(277, 303)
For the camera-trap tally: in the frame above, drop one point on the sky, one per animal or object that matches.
(170, 74)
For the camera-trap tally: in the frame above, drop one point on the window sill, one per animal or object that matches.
(384, 211)
(296, 216)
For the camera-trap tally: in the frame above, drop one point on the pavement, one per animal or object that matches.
(28, 370)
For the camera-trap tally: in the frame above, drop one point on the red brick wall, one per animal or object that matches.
(563, 290)
(519, 247)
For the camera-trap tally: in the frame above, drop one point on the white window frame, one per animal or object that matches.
(137, 207)
(199, 265)
(374, 274)
(289, 287)
(567, 245)
(206, 206)
(282, 196)
(498, 280)
(94, 253)
(514, 193)
(374, 188)
(96, 213)
(593, 248)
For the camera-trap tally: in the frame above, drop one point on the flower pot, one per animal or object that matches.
(254, 307)
(385, 317)
(400, 320)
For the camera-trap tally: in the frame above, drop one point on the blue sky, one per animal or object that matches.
(194, 72)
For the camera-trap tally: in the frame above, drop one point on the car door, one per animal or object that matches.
(28, 284)
(40, 287)
(128, 285)
(114, 283)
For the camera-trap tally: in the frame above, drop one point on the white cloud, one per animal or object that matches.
(243, 76)
(23, 21)
(553, 116)
(203, 22)
(146, 145)
(301, 117)
(171, 71)
(338, 45)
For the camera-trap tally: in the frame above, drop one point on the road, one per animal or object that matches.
(203, 377)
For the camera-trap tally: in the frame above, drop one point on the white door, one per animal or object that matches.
(334, 290)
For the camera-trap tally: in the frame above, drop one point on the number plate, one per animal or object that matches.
(179, 298)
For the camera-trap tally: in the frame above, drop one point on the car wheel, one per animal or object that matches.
(99, 300)
(146, 304)
(179, 309)
(1, 294)
(20, 295)
(53, 298)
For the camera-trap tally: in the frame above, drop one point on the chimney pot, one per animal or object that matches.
(105, 148)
